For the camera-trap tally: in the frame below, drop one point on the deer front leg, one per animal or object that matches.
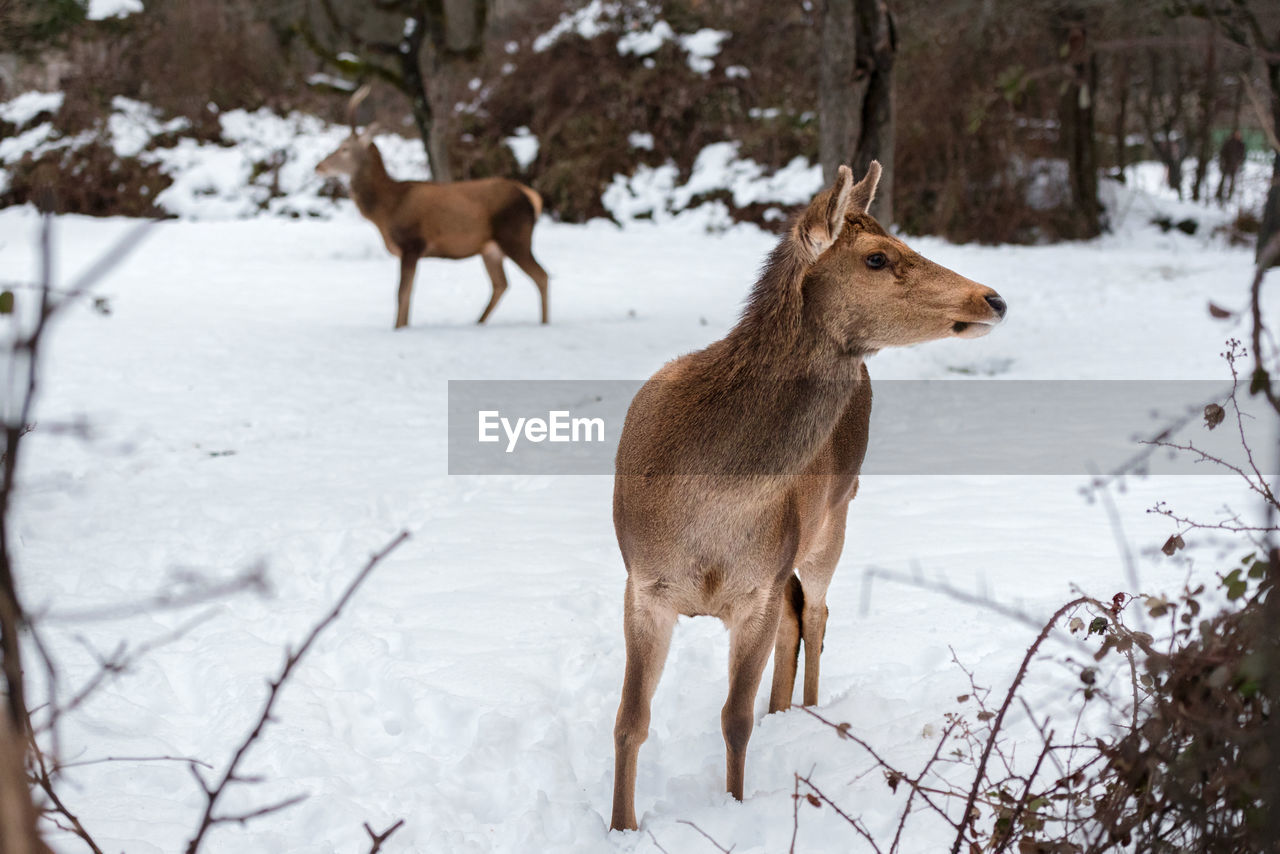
(750, 638)
(648, 626)
(408, 267)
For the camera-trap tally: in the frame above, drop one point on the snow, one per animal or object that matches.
(269, 164)
(639, 140)
(645, 42)
(654, 192)
(332, 81)
(524, 147)
(643, 33)
(132, 125)
(702, 46)
(101, 9)
(588, 22)
(250, 405)
(25, 107)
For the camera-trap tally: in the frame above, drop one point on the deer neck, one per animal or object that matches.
(775, 386)
(374, 191)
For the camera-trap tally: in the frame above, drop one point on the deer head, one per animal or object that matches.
(866, 290)
(353, 150)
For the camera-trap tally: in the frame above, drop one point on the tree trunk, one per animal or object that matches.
(855, 93)
(1271, 210)
(1076, 115)
(1206, 102)
(1122, 115)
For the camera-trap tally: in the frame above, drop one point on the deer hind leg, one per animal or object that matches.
(815, 577)
(493, 256)
(408, 267)
(786, 648)
(648, 626)
(518, 246)
(750, 637)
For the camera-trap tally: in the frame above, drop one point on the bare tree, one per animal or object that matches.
(417, 46)
(1255, 26)
(855, 92)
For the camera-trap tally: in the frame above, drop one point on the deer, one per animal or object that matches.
(736, 464)
(489, 217)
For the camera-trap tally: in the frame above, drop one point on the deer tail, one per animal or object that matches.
(535, 199)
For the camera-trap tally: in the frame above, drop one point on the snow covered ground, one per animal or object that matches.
(248, 403)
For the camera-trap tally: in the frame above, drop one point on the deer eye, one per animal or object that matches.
(876, 260)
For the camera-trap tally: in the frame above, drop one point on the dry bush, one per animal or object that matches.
(88, 179)
(1198, 772)
(974, 137)
(583, 99)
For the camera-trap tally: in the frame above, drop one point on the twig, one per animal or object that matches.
(119, 662)
(843, 730)
(656, 842)
(946, 589)
(853, 822)
(252, 578)
(1268, 257)
(213, 793)
(980, 776)
(43, 778)
(795, 815)
(105, 759)
(916, 784)
(1026, 793)
(378, 838)
(708, 836)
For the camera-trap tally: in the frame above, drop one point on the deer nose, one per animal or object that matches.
(997, 304)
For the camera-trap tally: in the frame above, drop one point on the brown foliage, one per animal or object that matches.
(582, 99)
(89, 179)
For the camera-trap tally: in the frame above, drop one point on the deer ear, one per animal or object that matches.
(865, 191)
(821, 223)
(366, 135)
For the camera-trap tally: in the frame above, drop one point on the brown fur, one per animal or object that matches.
(492, 217)
(736, 464)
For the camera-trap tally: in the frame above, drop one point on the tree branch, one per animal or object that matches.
(213, 793)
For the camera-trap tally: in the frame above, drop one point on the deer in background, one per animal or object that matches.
(491, 217)
(736, 464)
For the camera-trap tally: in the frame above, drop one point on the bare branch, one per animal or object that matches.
(708, 836)
(980, 776)
(377, 839)
(853, 822)
(212, 794)
(198, 592)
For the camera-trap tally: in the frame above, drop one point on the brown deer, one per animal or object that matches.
(491, 217)
(737, 463)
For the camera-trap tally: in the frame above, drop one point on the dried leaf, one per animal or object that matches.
(1172, 544)
(1075, 625)
(1219, 312)
(1213, 415)
(813, 800)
